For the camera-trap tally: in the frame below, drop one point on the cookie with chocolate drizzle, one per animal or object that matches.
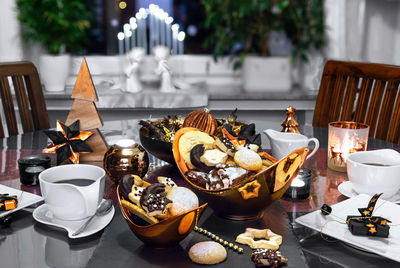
(224, 176)
(154, 200)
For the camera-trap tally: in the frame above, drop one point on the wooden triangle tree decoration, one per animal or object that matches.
(84, 88)
(84, 109)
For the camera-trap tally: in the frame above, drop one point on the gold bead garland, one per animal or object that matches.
(218, 239)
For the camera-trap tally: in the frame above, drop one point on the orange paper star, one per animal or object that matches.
(67, 142)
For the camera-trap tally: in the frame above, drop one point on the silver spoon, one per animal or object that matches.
(103, 209)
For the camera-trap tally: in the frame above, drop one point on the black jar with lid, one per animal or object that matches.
(30, 167)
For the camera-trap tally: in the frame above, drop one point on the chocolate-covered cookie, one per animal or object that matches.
(154, 200)
(225, 145)
(197, 177)
(195, 155)
(224, 176)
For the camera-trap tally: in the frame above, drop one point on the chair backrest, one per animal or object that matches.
(29, 96)
(361, 92)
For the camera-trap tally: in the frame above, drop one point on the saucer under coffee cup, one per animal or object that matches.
(72, 192)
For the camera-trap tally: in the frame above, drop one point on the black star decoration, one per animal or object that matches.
(67, 142)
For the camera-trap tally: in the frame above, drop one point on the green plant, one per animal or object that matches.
(247, 24)
(59, 25)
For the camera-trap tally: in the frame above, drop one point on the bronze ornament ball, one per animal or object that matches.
(125, 157)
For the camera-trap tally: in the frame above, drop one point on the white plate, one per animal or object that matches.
(25, 199)
(43, 215)
(387, 247)
(346, 189)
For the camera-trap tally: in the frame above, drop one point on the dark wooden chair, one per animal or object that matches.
(361, 92)
(28, 95)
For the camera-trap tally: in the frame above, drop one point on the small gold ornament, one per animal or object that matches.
(290, 124)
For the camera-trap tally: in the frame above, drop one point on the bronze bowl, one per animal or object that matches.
(166, 233)
(158, 148)
(249, 199)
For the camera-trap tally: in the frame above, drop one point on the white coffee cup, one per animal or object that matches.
(374, 179)
(283, 143)
(67, 201)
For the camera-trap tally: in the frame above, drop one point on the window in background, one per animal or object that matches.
(110, 16)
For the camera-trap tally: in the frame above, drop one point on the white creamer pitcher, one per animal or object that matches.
(283, 143)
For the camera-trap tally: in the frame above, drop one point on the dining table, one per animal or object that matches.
(27, 243)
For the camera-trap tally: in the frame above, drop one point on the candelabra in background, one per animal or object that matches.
(161, 32)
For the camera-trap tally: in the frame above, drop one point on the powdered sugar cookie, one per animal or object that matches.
(248, 159)
(207, 252)
(182, 199)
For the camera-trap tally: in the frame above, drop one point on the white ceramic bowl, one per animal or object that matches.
(373, 179)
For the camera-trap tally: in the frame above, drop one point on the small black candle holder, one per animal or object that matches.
(300, 186)
(30, 167)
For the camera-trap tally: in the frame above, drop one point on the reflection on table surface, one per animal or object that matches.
(26, 242)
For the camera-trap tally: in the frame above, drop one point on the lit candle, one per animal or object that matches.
(132, 22)
(345, 138)
(175, 29)
(181, 39)
(128, 34)
(139, 29)
(156, 26)
(168, 22)
(152, 30)
(163, 16)
(120, 37)
(144, 28)
(299, 189)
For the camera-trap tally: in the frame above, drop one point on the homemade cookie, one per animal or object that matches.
(168, 182)
(138, 211)
(213, 157)
(269, 240)
(182, 199)
(197, 177)
(224, 176)
(154, 201)
(248, 159)
(207, 252)
(188, 140)
(268, 258)
(135, 194)
(225, 145)
(253, 147)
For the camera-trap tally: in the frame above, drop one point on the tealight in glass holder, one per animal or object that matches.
(345, 138)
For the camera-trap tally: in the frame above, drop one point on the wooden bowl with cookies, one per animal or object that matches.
(159, 214)
(236, 178)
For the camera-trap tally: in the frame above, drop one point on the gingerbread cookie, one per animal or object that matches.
(207, 252)
(269, 240)
(248, 159)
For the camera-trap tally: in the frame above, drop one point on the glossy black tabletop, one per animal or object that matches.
(26, 243)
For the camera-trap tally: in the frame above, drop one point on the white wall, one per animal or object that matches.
(10, 41)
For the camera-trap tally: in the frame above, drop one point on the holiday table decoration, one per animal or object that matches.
(84, 109)
(290, 124)
(67, 142)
